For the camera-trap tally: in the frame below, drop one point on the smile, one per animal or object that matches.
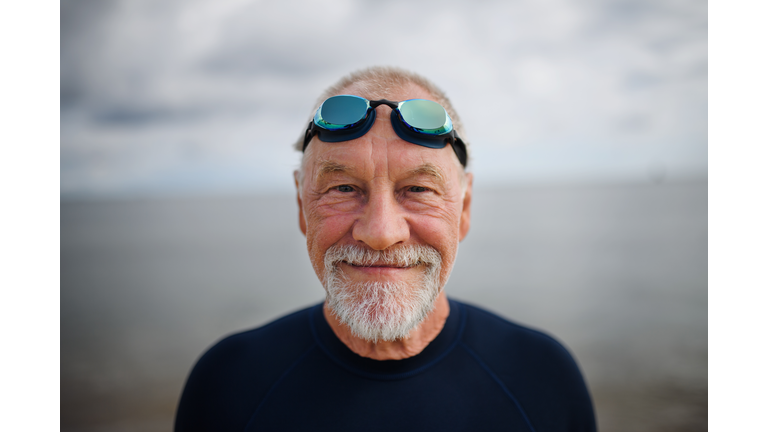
(377, 269)
(381, 265)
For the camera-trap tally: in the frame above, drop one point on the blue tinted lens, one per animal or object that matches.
(425, 116)
(339, 112)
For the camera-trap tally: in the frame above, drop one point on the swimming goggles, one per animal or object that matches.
(418, 121)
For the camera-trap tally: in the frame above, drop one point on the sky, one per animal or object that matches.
(207, 96)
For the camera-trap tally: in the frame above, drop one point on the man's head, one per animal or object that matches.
(383, 217)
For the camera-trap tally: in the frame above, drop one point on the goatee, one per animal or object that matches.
(382, 311)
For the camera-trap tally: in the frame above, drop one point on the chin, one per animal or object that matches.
(382, 310)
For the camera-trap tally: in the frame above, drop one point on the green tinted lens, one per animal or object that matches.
(339, 112)
(426, 116)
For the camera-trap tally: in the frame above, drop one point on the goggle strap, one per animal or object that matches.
(308, 135)
(459, 148)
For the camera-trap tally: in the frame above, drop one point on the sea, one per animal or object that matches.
(615, 271)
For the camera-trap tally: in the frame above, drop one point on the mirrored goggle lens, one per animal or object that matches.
(339, 112)
(425, 116)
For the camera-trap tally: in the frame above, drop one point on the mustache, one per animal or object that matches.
(402, 256)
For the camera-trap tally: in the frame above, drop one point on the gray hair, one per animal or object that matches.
(377, 81)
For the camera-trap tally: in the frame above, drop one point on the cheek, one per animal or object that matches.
(440, 225)
(324, 232)
(439, 233)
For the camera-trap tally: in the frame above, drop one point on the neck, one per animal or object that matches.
(417, 339)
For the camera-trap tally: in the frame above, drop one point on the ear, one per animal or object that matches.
(302, 221)
(465, 210)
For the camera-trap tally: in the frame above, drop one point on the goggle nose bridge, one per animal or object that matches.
(386, 102)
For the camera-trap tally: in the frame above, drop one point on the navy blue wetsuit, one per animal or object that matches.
(481, 373)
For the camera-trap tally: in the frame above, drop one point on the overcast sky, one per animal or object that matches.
(207, 96)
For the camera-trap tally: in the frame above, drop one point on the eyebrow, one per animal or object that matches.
(428, 169)
(330, 167)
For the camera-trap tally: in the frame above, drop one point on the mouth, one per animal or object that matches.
(377, 270)
(382, 265)
(398, 264)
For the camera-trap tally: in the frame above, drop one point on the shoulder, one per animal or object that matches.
(533, 366)
(266, 349)
(238, 371)
(491, 335)
(279, 335)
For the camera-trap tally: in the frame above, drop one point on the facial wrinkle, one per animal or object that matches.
(379, 145)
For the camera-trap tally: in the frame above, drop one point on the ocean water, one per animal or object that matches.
(617, 272)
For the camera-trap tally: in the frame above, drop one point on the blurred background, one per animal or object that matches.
(588, 127)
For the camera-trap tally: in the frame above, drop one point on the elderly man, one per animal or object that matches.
(384, 200)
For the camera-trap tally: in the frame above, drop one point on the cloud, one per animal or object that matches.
(153, 92)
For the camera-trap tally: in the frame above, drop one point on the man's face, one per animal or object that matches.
(381, 193)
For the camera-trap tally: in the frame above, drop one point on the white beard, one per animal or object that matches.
(382, 311)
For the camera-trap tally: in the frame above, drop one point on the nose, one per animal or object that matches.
(382, 224)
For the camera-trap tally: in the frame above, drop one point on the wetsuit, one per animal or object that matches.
(481, 373)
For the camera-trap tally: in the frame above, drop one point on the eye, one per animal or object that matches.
(417, 189)
(345, 188)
